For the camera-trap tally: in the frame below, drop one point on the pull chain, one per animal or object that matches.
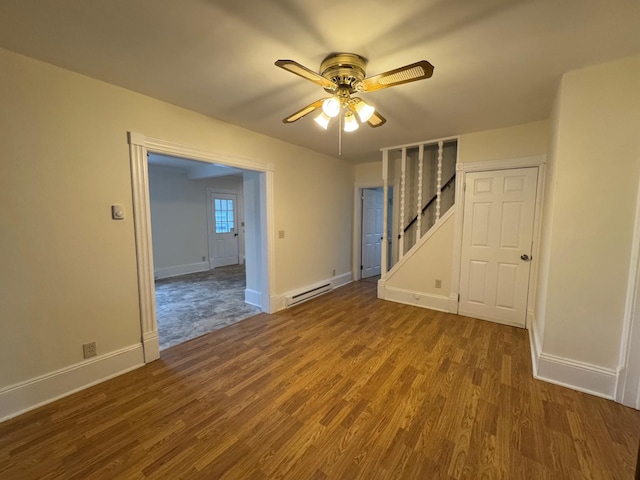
(340, 133)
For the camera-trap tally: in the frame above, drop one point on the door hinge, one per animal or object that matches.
(458, 297)
(464, 187)
(361, 267)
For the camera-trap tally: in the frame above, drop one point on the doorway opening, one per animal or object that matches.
(369, 211)
(198, 238)
(257, 211)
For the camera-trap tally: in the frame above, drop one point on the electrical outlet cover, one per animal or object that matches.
(89, 350)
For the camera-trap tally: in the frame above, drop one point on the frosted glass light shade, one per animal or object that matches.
(350, 122)
(322, 120)
(364, 110)
(331, 107)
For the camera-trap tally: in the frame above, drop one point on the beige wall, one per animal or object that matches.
(369, 174)
(593, 191)
(431, 262)
(68, 270)
(180, 229)
(525, 140)
(542, 263)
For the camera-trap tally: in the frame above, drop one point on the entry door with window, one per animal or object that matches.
(223, 246)
(497, 235)
(372, 204)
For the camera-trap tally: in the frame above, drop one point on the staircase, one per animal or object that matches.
(422, 178)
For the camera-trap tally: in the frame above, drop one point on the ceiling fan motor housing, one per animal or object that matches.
(347, 70)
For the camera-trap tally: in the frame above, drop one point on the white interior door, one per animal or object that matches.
(497, 235)
(372, 205)
(223, 234)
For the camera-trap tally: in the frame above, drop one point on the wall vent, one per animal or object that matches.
(312, 292)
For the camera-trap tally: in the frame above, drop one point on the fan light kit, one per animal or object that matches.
(343, 74)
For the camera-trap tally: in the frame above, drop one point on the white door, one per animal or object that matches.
(372, 204)
(223, 229)
(497, 234)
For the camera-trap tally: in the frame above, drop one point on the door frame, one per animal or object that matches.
(627, 389)
(538, 161)
(239, 221)
(362, 190)
(357, 225)
(139, 145)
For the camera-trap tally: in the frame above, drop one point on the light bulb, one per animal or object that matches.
(331, 107)
(350, 122)
(364, 110)
(322, 120)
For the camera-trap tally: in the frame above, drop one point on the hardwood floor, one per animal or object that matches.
(344, 386)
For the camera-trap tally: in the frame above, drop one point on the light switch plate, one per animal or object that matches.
(117, 212)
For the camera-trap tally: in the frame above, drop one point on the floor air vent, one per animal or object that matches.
(299, 297)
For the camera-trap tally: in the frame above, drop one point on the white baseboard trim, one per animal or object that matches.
(341, 280)
(277, 303)
(253, 297)
(417, 299)
(151, 345)
(22, 397)
(534, 343)
(576, 375)
(573, 374)
(166, 272)
(453, 302)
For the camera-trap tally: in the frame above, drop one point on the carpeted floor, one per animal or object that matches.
(191, 305)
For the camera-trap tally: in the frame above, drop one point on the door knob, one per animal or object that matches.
(525, 257)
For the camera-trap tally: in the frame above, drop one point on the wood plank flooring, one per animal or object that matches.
(344, 386)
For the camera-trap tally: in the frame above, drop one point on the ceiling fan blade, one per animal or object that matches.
(375, 120)
(409, 73)
(305, 111)
(304, 72)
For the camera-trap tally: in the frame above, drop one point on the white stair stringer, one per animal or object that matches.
(414, 294)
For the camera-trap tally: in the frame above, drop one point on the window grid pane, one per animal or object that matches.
(225, 222)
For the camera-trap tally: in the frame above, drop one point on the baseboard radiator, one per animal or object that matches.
(300, 297)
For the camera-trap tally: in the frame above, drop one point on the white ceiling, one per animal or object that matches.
(497, 62)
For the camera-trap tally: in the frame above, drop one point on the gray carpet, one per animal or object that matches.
(191, 305)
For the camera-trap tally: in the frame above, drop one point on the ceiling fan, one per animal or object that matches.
(343, 74)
